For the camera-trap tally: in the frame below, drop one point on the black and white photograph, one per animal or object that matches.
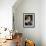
(29, 20)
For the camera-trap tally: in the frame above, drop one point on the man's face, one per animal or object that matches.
(28, 19)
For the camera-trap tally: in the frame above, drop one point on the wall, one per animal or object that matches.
(28, 6)
(6, 13)
(43, 22)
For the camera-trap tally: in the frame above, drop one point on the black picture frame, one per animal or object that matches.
(28, 20)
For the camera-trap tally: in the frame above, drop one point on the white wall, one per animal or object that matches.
(28, 6)
(43, 22)
(6, 13)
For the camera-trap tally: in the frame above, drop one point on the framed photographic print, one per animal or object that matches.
(29, 20)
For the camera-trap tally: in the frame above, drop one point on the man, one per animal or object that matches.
(28, 20)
